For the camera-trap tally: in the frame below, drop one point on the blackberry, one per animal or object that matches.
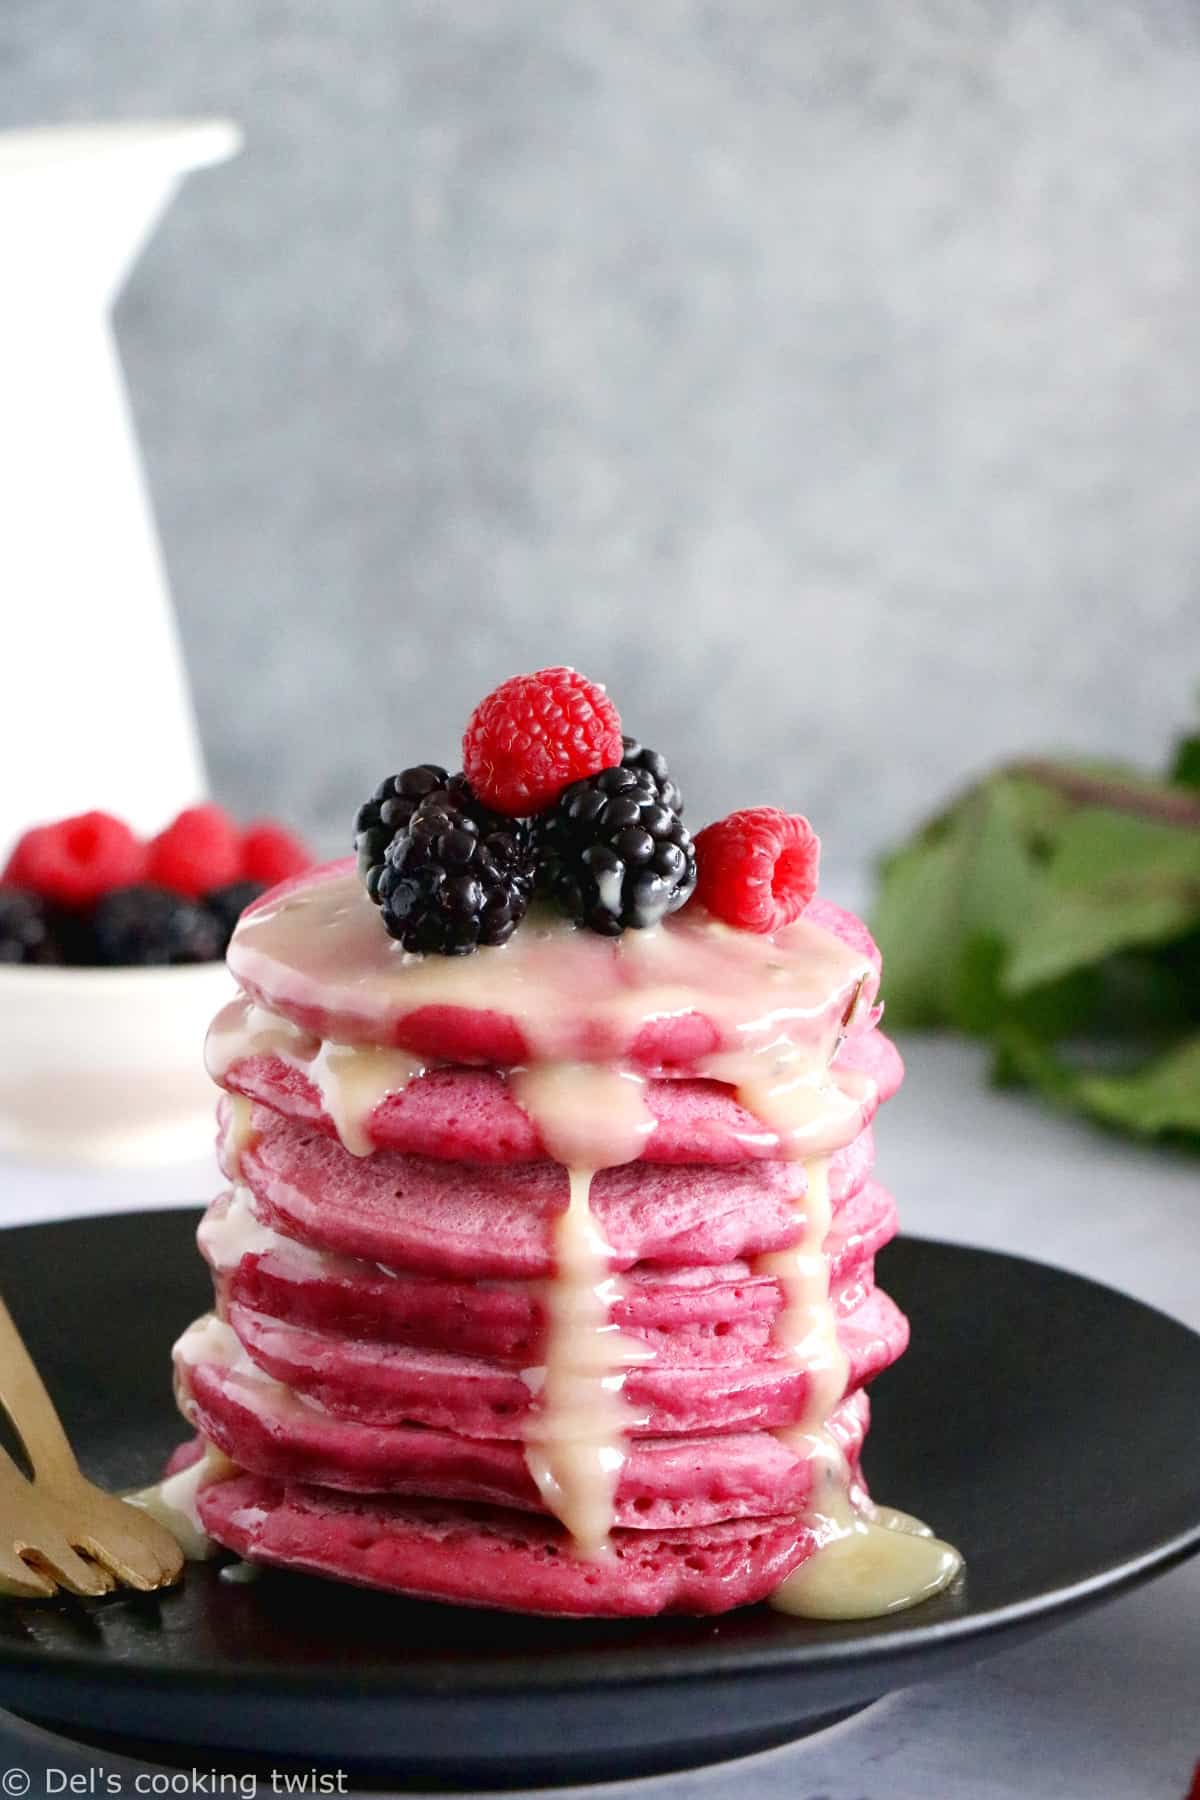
(144, 926)
(74, 936)
(227, 904)
(26, 928)
(612, 854)
(654, 764)
(388, 811)
(457, 876)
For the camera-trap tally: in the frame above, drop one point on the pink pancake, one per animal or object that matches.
(357, 1009)
(477, 1556)
(455, 1219)
(379, 1384)
(665, 1482)
(710, 1314)
(470, 1115)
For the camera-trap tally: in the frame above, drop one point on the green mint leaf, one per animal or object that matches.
(1115, 880)
(913, 923)
(1161, 1096)
(949, 908)
(1022, 1059)
(1054, 909)
(1185, 769)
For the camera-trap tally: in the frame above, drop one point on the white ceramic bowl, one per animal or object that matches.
(106, 1066)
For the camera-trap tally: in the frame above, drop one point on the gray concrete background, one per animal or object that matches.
(824, 377)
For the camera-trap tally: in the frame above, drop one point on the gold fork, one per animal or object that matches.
(60, 1529)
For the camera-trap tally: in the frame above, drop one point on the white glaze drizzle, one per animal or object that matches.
(327, 938)
(238, 1135)
(575, 1439)
(869, 1560)
(806, 1327)
(208, 1339)
(225, 1236)
(173, 1501)
(869, 1563)
(352, 1079)
(588, 1116)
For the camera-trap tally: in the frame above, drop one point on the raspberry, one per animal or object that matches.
(535, 735)
(76, 860)
(757, 868)
(200, 849)
(270, 853)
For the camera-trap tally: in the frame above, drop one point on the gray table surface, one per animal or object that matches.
(1107, 1707)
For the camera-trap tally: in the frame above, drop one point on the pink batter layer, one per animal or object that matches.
(714, 1313)
(665, 1482)
(472, 1115)
(421, 1213)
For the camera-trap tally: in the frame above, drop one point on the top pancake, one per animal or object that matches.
(662, 1002)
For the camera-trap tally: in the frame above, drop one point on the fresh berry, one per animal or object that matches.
(388, 811)
(74, 937)
(270, 853)
(76, 860)
(227, 904)
(535, 735)
(454, 878)
(144, 925)
(611, 855)
(757, 868)
(26, 932)
(654, 764)
(200, 849)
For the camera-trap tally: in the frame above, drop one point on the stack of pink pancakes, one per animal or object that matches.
(545, 1277)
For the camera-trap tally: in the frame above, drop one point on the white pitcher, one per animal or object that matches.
(94, 704)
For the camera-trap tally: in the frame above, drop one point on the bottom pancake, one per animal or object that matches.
(482, 1556)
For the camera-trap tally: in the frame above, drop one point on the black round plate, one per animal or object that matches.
(1044, 1424)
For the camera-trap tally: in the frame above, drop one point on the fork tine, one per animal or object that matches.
(20, 1581)
(52, 1555)
(153, 1535)
(61, 1513)
(138, 1562)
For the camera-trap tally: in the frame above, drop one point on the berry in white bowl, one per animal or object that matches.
(111, 964)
